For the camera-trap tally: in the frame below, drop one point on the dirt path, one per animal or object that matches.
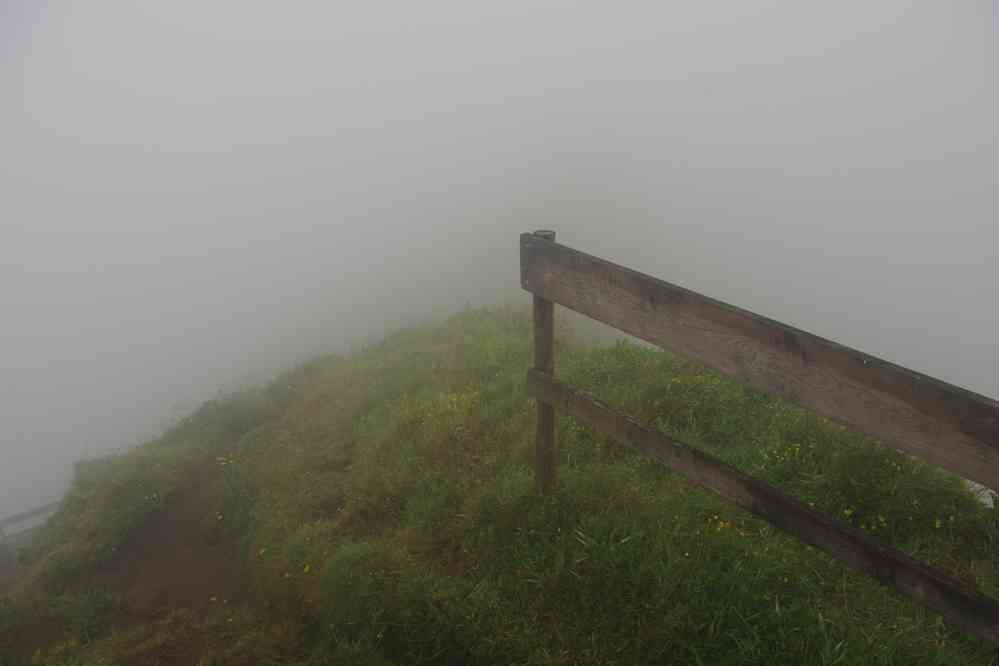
(10, 567)
(169, 562)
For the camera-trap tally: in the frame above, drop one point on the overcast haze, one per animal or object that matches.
(195, 195)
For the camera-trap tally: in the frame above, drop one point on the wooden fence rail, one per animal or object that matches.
(943, 424)
(24, 516)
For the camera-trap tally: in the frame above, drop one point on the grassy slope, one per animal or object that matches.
(383, 510)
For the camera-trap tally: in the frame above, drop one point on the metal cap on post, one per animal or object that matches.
(544, 361)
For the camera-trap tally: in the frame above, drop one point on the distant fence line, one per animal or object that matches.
(25, 516)
(943, 424)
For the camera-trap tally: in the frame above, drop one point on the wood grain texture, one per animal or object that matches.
(960, 606)
(938, 422)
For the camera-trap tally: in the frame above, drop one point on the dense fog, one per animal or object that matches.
(195, 195)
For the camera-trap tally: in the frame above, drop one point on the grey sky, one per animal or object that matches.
(194, 195)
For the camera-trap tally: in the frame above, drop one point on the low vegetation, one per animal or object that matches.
(379, 508)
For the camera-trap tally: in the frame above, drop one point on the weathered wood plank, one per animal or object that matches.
(544, 361)
(958, 605)
(943, 424)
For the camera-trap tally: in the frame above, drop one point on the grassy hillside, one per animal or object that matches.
(379, 509)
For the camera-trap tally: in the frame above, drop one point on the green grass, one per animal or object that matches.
(384, 508)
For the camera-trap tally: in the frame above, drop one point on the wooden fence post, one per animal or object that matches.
(922, 416)
(544, 361)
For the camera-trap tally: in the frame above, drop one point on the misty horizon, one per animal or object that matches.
(194, 198)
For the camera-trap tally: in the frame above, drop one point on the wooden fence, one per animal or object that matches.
(18, 518)
(943, 424)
